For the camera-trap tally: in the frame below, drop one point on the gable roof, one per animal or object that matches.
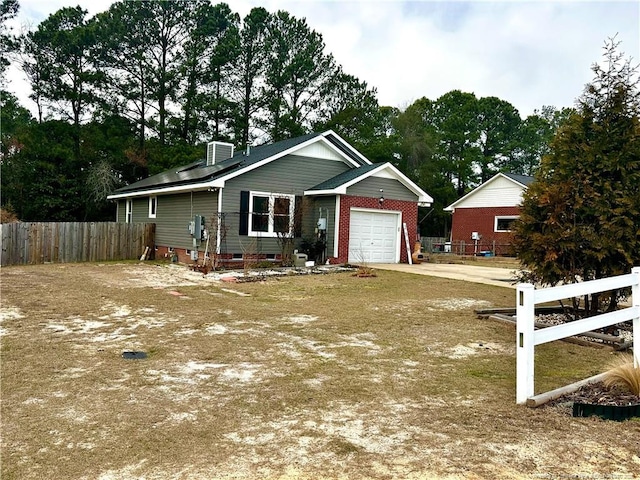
(338, 185)
(200, 176)
(345, 178)
(523, 181)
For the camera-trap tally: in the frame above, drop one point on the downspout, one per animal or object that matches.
(218, 230)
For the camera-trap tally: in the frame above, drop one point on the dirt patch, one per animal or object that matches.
(454, 303)
(479, 348)
(310, 376)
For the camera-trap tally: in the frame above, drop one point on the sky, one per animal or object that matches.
(529, 53)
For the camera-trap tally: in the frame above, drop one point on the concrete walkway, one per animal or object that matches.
(501, 277)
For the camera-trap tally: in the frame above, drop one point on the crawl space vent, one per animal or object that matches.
(133, 355)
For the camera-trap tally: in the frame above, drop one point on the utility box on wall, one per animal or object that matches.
(196, 227)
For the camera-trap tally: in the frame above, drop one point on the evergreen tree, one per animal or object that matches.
(455, 120)
(247, 74)
(8, 10)
(122, 54)
(351, 110)
(580, 219)
(299, 75)
(209, 54)
(532, 138)
(499, 122)
(62, 45)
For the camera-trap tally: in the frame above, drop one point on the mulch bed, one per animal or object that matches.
(598, 394)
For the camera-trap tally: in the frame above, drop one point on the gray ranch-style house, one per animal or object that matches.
(316, 192)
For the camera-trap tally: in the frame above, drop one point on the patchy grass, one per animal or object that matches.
(325, 376)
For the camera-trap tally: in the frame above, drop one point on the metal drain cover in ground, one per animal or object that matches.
(133, 355)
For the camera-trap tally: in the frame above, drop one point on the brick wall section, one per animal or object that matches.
(409, 216)
(481, 220)
(225, 260)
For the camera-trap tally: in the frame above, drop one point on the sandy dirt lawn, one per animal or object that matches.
(314, 376)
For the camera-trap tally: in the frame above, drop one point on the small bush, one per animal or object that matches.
(625, 375)
(7, 216)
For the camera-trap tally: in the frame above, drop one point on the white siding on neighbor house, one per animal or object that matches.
(501, 192)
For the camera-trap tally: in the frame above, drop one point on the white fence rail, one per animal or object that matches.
(527, 297)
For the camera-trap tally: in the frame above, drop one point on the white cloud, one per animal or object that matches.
(529, 53)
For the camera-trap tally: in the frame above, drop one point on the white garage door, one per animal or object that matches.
(374, 237)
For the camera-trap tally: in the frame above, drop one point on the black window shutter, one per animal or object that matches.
(244, 213)
(297, 217)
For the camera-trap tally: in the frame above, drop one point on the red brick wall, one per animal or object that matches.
(481, 220)
(409, 216)
(225, 259)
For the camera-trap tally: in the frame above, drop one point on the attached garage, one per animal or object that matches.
(374, 236)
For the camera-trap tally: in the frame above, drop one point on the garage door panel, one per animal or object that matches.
(374, 237)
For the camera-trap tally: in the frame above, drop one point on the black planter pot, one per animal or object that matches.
(608, 412)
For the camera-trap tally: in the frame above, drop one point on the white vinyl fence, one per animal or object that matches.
(527, 297)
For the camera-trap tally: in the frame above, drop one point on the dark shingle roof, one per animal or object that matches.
(523, 179)
(345, 177)
(198, 172)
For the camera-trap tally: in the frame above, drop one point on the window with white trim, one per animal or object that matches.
(153, 206)
(504, 223)
(270, 214)
(128, 211)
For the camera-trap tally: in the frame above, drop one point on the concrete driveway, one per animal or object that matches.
(501, 277)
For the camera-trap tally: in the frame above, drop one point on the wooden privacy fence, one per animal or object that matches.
(62, 242)
(527, 297)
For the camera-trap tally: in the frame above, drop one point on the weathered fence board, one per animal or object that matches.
(61, 242)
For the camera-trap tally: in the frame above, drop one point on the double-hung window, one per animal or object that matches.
(128, 211)
(153, 206)
(504, 224)
(271, 214)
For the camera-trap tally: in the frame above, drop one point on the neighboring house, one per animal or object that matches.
(482, 219)
(314, 187)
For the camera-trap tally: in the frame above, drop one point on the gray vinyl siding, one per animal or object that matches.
(290, 175)
(121, 210)
(140, 210)
(392, 189)
(174, 212)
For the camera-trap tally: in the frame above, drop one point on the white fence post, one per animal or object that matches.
(635, 301)
(525, 315)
